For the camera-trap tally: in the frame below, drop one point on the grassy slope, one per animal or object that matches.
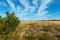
(38, 27)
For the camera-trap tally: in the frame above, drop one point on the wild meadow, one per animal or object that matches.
(11, 28)
(39, 30)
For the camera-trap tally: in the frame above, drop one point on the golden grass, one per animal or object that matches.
(38, 27)
(27, 28)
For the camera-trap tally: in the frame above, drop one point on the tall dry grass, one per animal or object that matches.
(35, 28)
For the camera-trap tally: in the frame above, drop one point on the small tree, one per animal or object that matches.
(2, 25)
(11, 22)
(8, 24)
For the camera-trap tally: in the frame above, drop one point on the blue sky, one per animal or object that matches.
(32, 9)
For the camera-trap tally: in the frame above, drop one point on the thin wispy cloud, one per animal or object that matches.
(29, 9)
(43, 6)
(13, 8)
(11, 4)
(3, 4)
(25, 3)
(35, 2)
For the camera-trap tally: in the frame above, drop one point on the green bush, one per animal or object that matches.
(8, 24)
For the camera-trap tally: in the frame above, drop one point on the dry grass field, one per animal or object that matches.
(35, 30)
(26, 30)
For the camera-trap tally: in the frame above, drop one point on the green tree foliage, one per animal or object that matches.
(11, 22)
(2, 25)
(8, 24)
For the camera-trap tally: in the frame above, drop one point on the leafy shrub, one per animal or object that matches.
(8, 24)
(11, 22)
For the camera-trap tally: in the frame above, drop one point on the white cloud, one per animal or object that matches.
(25, 3)
(11, 4)
(35, 2)
(18, 9)
(13, 8)
(42, 13)
(41, 10)
(30, 9)
(33, 8)
(3, 4)
(43, 6)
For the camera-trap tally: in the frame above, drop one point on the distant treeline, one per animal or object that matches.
(49, 20)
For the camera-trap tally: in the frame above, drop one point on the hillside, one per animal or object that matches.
(26, 29)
